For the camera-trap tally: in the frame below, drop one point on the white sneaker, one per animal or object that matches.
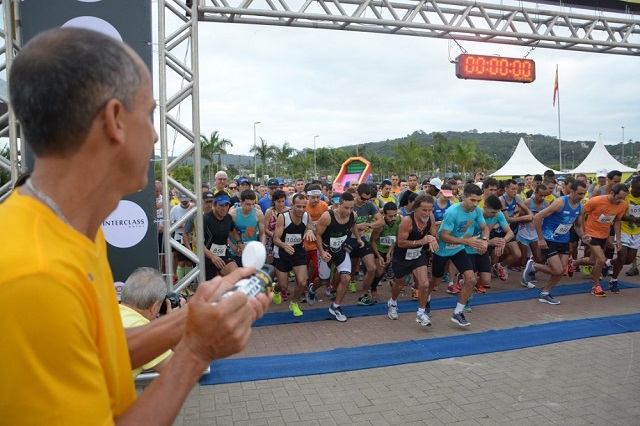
(423, 319)
(393, 310)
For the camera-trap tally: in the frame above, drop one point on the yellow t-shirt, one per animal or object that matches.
(633, 209)
(130, 319)
(550, 199)
(64, 353)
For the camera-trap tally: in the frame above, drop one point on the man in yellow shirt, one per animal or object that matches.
(85, 104)
(140, 303)
(630, 234)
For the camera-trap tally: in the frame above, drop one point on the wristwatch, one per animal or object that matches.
(485, 238)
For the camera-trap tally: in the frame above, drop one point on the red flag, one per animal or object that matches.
(555, 87)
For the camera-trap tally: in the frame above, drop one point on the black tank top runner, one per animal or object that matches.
(414, 235)
(292, 234)
(336, 233)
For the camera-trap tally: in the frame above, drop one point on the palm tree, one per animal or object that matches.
(440, 151)
(412, 155)
(264, 151)
(282, 156)
(214, 146)
(465, 155)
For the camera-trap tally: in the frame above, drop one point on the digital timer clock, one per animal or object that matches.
(496, 68)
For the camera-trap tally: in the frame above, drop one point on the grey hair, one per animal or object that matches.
(144, 287)
(61, 80)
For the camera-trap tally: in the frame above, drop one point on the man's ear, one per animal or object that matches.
(113, 114)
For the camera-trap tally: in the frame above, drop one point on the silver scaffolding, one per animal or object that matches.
(520, 23)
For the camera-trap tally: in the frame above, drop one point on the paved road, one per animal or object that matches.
(589, 381)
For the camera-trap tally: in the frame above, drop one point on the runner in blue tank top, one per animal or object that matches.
(553, 225)
(515, 212)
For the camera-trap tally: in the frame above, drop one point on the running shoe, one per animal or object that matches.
(460, 320)
(392, 311)
(303, 298)
(467, 308)
(500, 271)
(586, 270)
(570, 268)
(527, 284)
(415, 294)
(445, 278)
(529, 273)
(358, 276)
(423, 319)
(311, 297)
(277, 298)
(479, 288)
(365, 300)
(613, 287)
(352, 287)
(605, 271)
(337, 312)
(597, 291)
(452, 289)
(547, 298)
(632, 272)
(328, 291)
(293, 307)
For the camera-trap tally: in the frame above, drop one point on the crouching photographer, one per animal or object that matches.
(144, 297)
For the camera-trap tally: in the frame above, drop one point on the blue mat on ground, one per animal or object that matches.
(351, 311)
(386, 354)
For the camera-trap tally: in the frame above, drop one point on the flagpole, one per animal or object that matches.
(557, 93)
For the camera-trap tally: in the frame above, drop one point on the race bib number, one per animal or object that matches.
(293, 239)
(218, 249)
(387, 241)
(562, 229)
(634, 210)
(413, 253)
(336, 243)
(606, 219)
(450, 246)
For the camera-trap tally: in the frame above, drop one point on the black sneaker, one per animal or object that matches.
(460, 320)
(366, 300)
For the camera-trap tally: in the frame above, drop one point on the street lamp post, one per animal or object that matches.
(255, 151)
(622, 145)
(572, 158)
(315, 169)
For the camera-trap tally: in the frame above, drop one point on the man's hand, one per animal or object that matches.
(218, 262)
(360, 243)
(288, 248)
(309, 235)
(220, 329)
(542, 244)
(326, 257)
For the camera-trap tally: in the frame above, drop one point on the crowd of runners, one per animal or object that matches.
(453, 234)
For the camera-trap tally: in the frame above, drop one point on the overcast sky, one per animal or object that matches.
(352, 88)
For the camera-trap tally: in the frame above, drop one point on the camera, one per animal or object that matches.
(173, 298)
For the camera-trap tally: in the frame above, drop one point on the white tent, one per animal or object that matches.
(522, 162)
(599, 158)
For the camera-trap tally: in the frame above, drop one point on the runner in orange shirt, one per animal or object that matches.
(602, 212)
(315, 208)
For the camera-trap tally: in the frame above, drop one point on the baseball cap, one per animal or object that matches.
(335, 198)
(520, 181)
(436, 182)
(601, 173)
(446, 190)
(425, 182)
(221, 198)
(207, 196)
(273, 182)
(244, 180)
(183, 197)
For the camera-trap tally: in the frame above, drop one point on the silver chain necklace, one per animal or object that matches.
(48, 201)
